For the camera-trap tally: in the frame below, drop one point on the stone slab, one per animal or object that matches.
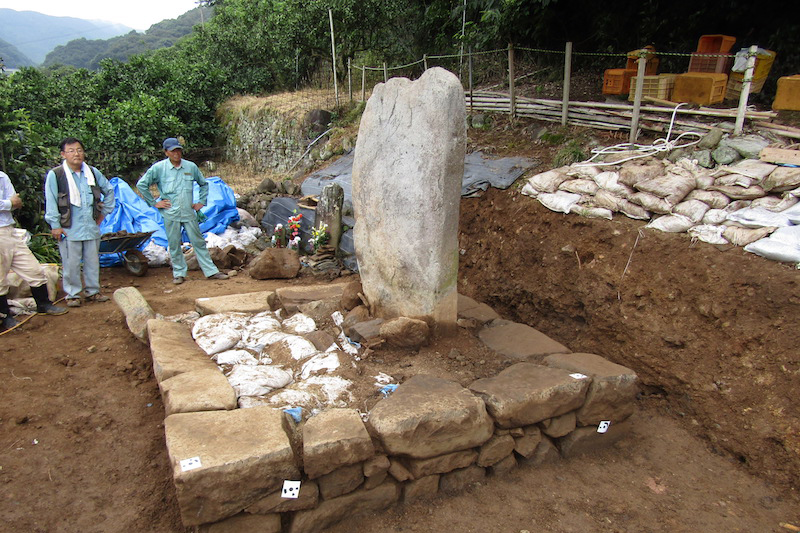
(250, 302)
(519, 341)
(197, 390)
(174, 350)
(588, 440)
(334, 438)
(441, 464)
(291, 298)
(428, 416)
(136, 310)
(526, 393)
(612, 393)
(244, 523)
(332, 511)
(307, 498)
(243, 456)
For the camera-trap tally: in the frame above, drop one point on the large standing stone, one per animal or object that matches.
(407, 175)
(334, 438)
(136, 309)
(428, 416)
(243, 456)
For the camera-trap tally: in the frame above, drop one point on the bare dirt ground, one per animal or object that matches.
(710, 331)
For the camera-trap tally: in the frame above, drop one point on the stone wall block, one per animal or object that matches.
(442, 464)
(526, 393)
(174, 350)
(421, 489)
(459, 480)
(428, 416)
(197, 390)
(612, 393)
(527, 444)
(308, 498)
(355, 503)
(334, 438)
(495, 450)
(559, 426)
(243, 456)
(503, 466)
(341, 481)
(136, 310)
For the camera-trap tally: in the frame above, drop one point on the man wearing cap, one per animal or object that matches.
(174, 177)
(77, 198)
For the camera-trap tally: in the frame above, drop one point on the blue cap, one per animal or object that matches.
(171, 144)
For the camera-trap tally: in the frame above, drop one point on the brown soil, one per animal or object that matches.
(716, 443)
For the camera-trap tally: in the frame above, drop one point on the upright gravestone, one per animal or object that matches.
(407, 175)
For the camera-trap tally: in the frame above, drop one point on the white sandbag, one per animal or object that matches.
(671, 223)
(751, 217)
(786, 202)
(605, 199)
(299, 324)
(714, 199)
(737, 205)
(548, 181)
(694, 210)
(672, 187)
(793, 214)
(704, 181)
(708, 233)
(218, 332)
(744, 236)
(714, 216)
(259, 380)
(768, 202)
(290, 348)
(610, 182)
(632, 210)
(528, 190)
(752, 168)
(740, 193)
(729, 180)
(789, 235)
(323, 363)
(638, 170)
(591, 212)
(583, 171)
(560, 201)
(782, 179)
(579, 186)
(235, 357)
(651, 202)
(776, 248)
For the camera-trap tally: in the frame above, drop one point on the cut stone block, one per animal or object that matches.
(174, 350)
(612, 393)
(526, 393)
(559, 425)
(197, 390)
(244, 523)
(332, 511)
(251, 302)
(442, 464)
(428, 416)
(588, 440)
(292, 297)
(519, 341)
(307, 498)
(238, 457)
(527, 444)
(460, 479)
(334, 438)
(498, 448)
(341, 481)
(136, 310)
(419, 489)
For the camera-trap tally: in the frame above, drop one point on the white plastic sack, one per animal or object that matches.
(730, 180)
(744, 236)
(560, 201)
(651, 202)
(708, 233)
(323, 363)
(591, 212)
(793, 214)
(782, 179)
(753, 217)
(610, 182)
(235, 357)
(548, 181)
(579, 186)
(774, 250)
(258, 380)
(672, 187)
(218, 332)
(694, 210)
(714, 216)
(714, 199)
(671, 223)
(299, 324)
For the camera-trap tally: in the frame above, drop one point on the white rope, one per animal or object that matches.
(643, 150)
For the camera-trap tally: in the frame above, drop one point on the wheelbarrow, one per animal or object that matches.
(126, 246)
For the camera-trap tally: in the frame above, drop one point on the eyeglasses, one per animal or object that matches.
(74, 151)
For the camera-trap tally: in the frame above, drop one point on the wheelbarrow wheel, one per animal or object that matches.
(136, 262)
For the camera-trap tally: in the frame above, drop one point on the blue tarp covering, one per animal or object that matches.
(132, 214)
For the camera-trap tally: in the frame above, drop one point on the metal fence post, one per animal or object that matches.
(567, 77)
(637, 98)
(746, 81)
(512, 104)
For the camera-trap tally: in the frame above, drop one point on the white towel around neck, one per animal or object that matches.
(74, 192)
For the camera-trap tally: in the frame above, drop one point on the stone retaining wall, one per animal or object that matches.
(429, 436)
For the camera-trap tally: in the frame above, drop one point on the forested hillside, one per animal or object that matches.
(11, 57)
(83, 53)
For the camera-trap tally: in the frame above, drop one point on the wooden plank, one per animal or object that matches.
(780, 155)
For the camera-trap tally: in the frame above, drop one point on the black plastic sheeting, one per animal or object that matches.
(480, 172)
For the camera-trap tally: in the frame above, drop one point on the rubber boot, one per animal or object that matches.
(43, 303)
(8, 321)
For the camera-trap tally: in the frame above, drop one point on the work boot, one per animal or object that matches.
(43, 303)
(8, 321)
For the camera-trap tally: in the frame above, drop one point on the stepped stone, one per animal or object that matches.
(332, 511)
(291, 298)
(560, 425)
(407, 172)
(244, 523)
(307, 498)
(526, 393)
(334, 438)
(442, 464)
(244, 455)
(587, 439)
(197, 390)
(495, 450)
(136, 310)
(519, 341)
(613, 389)
(250, 302)
(174, 350)
(428, 416)
(341, 481)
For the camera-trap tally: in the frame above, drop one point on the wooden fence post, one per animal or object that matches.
(637, 96)
(363, 83)
(567, 77)
(745, 95)
(350, 79)
(512, 104)
(333, 55)
(470, 79)
(385, 73)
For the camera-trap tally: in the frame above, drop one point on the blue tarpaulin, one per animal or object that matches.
(132, 214)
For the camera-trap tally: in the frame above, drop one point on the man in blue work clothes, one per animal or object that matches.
(77, 199)
(174, 177)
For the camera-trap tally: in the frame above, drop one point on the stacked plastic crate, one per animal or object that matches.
(764, 60)
(617, 81)
(705, 82)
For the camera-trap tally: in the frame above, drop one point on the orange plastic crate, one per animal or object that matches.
(715, 44)
(654, 86)
(788, 95)
(715, 64)
(735, 83)
(699, 88)
(651, 61)
(617, 80)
